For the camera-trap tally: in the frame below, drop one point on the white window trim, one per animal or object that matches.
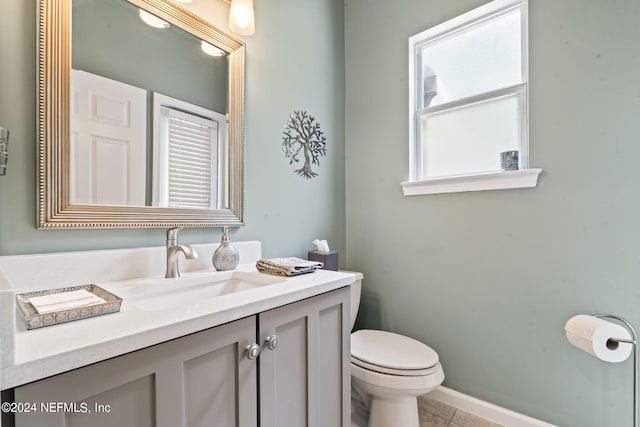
(159, 193)
(523, 178)
(498, 180)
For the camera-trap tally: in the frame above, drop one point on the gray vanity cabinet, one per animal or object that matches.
(202, 379)
(206, 379)
(305, 381)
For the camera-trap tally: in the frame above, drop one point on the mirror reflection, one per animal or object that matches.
(149, 111)
(138, 125)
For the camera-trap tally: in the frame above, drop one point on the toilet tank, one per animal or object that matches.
(356, 293)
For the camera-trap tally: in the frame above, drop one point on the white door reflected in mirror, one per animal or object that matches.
(107, 163)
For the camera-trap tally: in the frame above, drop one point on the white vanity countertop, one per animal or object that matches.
(39, 353)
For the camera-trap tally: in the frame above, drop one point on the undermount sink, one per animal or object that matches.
(167, 293)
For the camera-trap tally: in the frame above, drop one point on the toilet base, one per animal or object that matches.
(392, 413)
(389, 400)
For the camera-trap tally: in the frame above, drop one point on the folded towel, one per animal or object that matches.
(287, 266)
(64, 301)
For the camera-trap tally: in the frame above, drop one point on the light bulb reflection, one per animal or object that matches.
(210, 49)
(152, 20)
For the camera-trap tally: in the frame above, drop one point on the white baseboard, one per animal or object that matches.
(485, 410)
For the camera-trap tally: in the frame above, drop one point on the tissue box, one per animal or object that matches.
(329, 259)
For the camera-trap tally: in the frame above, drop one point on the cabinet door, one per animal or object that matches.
(202, 379)
(305, 380)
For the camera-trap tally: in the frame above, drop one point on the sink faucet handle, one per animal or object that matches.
(172, 236)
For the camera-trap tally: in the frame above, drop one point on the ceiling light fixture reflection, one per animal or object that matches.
(210, 49)
(152, 20)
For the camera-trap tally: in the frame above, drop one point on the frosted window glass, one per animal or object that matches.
(474, 60)
(469, 139)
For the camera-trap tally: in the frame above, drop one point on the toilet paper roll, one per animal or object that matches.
(593, 335)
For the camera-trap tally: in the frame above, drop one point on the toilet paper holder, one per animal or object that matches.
(633, 341)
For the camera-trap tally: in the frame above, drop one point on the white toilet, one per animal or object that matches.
(388, 372)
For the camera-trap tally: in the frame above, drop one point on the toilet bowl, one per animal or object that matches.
(388, 372)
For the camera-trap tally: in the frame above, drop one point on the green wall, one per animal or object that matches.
(489, 279)
(294, 61)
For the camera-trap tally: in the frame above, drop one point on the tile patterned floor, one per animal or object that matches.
(434, 413)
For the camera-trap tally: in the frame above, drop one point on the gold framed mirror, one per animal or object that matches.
(59, 205)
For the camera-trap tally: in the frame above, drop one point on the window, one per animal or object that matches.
(191, 158)
(189, 142)
(468, 101)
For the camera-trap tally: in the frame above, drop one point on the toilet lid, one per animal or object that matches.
(390, 350)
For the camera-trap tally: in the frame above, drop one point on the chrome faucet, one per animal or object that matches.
(173, 249)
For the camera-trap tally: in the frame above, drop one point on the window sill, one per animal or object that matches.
(525, 178)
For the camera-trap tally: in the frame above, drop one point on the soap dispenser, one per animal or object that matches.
(225, 257)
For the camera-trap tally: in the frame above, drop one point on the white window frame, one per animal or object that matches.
(492, 180)
(160, 184)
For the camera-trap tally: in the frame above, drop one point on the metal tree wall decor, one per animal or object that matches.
(302, 133)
